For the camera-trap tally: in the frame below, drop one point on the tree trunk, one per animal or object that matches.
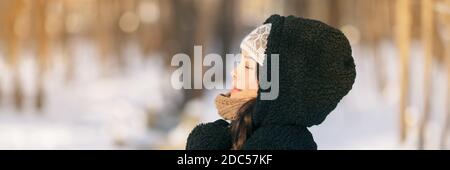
(403, 36)
(427, 39)
(446, 127)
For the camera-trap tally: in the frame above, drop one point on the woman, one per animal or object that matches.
(316, 70)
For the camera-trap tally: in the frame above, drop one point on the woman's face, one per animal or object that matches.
(244, 76)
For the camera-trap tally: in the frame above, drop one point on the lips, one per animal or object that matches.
(235, 90)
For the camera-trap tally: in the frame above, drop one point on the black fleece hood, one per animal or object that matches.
(316, 70)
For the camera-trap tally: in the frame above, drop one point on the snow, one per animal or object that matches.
(97, 111)
(366, 119)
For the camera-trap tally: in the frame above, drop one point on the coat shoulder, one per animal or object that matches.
(281, 137)
(210, 136)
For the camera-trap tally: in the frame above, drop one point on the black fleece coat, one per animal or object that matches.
(316, 70)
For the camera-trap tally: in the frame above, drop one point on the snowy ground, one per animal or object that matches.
(112, 112)
(366, 119)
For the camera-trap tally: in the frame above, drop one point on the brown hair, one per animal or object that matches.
(242, 127)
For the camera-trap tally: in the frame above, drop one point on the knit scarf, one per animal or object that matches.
(228, 105)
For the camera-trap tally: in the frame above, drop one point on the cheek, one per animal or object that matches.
(253, 80)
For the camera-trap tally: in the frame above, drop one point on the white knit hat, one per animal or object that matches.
(255, 43)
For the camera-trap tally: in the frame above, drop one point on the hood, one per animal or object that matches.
(316, 70)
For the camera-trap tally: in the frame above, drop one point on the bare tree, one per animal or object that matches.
(444, 28)
(427, 38)
(13, 12)
(403, 37)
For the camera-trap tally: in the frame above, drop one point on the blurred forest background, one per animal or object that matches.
(95, 74)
